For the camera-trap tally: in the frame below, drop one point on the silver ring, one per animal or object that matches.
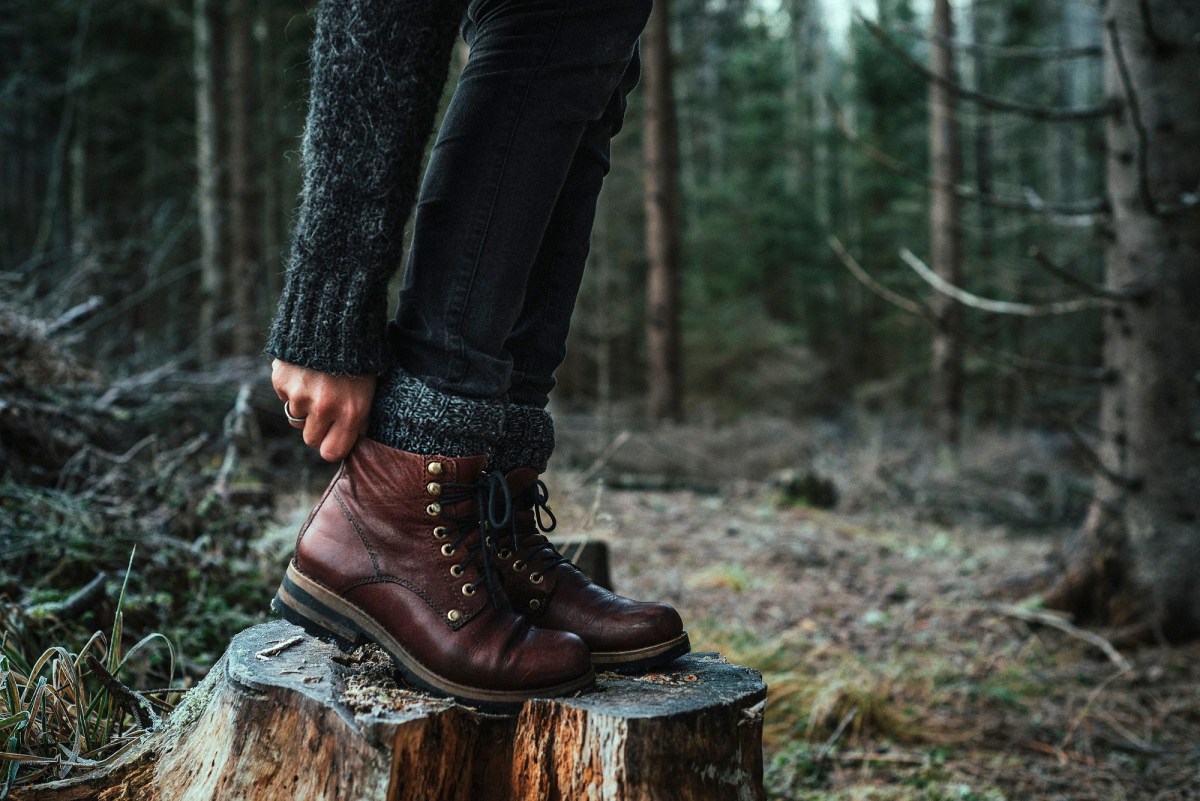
(295, 421)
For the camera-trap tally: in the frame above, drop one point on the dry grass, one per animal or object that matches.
(67, 710)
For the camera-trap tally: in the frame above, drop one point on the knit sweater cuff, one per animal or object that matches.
(331, 323)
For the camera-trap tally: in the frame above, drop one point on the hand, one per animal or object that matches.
(335, 408)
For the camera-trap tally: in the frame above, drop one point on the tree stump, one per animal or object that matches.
(283, 716)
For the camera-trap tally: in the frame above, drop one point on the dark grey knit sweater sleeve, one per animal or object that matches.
(378, 68)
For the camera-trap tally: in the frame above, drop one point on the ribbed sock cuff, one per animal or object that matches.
(409, 415)
(528, 439)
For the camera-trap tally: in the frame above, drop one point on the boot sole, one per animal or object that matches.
(642, 659)
(325, 615)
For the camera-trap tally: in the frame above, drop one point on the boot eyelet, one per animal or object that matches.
(447, 550)
(439, 533)
(505, 554)
(434, 488)
(433, 509)
(535, 604)
(435, 468)
(454, 615)
(457, 570)
(468, 590)
(536, 578)
(518, 565)
(489, 542)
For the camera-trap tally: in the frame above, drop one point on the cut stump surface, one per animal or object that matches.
(283, 716)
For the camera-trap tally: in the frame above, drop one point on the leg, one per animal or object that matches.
(540, 75)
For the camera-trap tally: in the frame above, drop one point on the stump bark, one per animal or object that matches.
(283, 716)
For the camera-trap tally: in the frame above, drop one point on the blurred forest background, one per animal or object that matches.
(884, 258)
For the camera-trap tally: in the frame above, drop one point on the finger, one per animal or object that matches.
(291, 411)
(339, 441)
(316, 428)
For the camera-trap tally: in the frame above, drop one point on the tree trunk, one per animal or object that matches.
(663, 250)
(245, 272)
(1134, 561)
(207, 174)
(945, 233)
(284, 717)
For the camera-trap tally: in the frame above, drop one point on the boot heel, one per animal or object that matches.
(296, 606)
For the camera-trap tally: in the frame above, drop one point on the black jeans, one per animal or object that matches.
(506, 208)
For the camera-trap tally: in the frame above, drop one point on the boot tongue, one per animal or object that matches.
(520, 481)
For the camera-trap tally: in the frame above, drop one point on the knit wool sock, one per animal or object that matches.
(409, 415)
(528, 439)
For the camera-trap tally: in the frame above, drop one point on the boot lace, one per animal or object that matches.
(530, 534)
(494, 505)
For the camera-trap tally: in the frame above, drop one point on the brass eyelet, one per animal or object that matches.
(534, 603)
(536, 578)
(439, 533)
(454, 615)
(434, 488)
(468, 590)
(447, 550)
(489, 542)
(457, 570)
(505, 554)
(518, 565)
(433, 509)
(435, 468)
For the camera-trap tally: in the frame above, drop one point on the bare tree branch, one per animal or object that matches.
(1077, 214)
(1135, 295)
(1048, 114)
(910, 306)
(1161, 45)
(1067, 372)
(996, 306)
(1063, 625)
(1006, 51)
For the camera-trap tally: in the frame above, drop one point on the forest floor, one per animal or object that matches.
(896, 631)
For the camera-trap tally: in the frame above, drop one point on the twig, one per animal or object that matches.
(1135, 116)
(278, 648)
(1074, 214)
(74, 314)
(1162, 46)
(867, 756)
(1019, 362)
(132, 700)
(989, 101)
(1135, 294)
(829, 744)
(1057, 622)
(604, 457)
(996, 306)
(910, 306)
(1087, 705)
(1006, 51)
(83, 599)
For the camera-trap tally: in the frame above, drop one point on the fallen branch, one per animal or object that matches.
(131, 699)
(1060, 623)
(996, 306)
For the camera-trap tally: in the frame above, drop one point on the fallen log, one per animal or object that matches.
(283, 716)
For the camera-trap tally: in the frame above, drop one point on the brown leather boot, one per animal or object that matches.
(393, 554)
(623, 635)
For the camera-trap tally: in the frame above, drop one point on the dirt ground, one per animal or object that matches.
(896, 670)
(903, 652)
